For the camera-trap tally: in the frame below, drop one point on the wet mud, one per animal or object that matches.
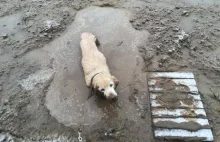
(170, 86)
(190, 126)
(172, 99)
(42, 38)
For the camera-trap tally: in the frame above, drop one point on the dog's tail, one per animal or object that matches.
(89, 38)
(97, 43)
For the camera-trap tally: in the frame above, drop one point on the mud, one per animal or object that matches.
(176, 139)
(42, 37)
(191, 126)
(172, 99)
(170, 86)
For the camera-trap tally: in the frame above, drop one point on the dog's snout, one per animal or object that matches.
(114, 99)
(111, 94)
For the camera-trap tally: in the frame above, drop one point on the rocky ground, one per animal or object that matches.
(183, 36)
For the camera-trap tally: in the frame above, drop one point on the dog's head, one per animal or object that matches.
(105, 85)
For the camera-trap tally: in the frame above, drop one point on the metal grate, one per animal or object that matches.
(176, 106)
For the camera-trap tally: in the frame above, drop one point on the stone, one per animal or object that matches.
(185, 13)
(175, 29)
(5, 36)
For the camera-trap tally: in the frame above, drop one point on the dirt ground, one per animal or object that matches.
(42, 90)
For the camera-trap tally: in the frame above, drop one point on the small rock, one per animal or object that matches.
(5, 36)
(119, 43)
(209, 45)
(202, 41)
(143, 114)
(6, 102)
(15, 55)
(50, 37)
(41, 35)
(185, 13)
(194, 48)
(164, 58)
(51, 24)
(193, 53)
(170, 51)
(111, 130)
(158, 47)
(175, 29)
(183, 36)
(161, 65)
(0, 88)
(168, 12)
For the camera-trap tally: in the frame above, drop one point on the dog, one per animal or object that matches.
(96, 71)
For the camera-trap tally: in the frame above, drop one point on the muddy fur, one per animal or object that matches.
(96, 71)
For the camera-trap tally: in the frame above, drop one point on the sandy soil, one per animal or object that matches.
(42, 90)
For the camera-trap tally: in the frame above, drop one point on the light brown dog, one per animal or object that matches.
(96, 71)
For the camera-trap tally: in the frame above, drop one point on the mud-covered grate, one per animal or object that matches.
(177, 109)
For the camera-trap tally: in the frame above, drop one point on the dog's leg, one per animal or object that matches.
(92, 90)
(90, 95)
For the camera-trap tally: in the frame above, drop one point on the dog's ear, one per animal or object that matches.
(115, 80)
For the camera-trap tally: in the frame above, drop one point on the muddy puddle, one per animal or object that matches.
(66, 98)
(12, 25)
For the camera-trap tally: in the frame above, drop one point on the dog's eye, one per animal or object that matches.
(102, 90)
(111, 85)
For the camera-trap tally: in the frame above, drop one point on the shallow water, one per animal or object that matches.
(12, 25)
(67, 95)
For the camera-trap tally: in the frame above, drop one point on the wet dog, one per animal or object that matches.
(96, 71)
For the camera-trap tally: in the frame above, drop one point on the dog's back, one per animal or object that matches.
(87, 44)
(93, 61)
